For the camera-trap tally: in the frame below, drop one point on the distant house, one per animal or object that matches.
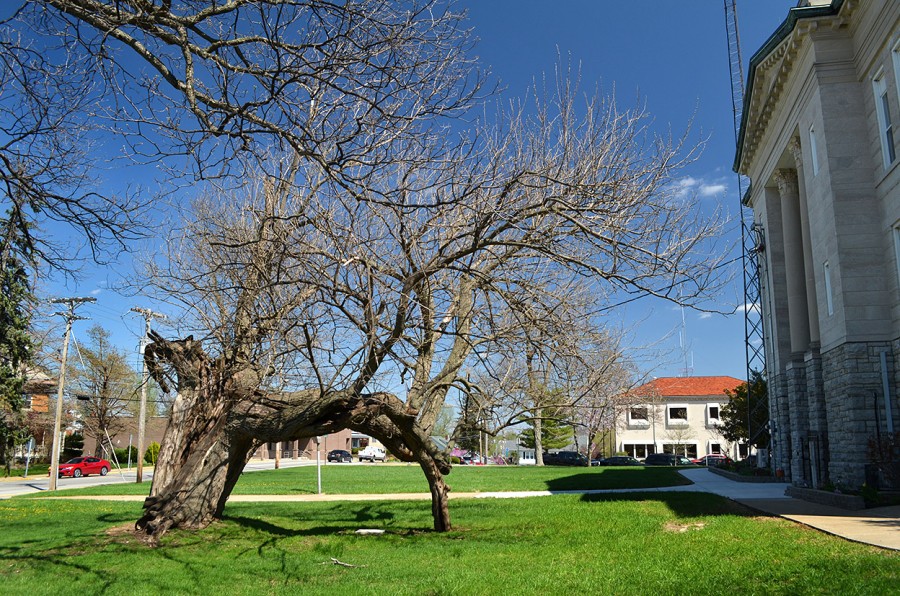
(36, 393)
(676, 415)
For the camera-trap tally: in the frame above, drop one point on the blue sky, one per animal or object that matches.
(670, 56)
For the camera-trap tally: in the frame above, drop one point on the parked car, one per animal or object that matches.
(565, 458)
(84, 466)
(340, 455)
(372, 454)
(667, 459)
(661, 459)
(622, 460)
(598, 462)
(713, 459)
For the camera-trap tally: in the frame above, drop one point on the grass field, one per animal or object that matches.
(661, 543)
(381, 479)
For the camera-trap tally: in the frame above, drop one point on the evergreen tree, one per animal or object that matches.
(556, 432)
(747, 403)
(15, 342)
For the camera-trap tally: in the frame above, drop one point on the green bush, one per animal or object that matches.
(454, 460)
(152, 453)
(122, 455)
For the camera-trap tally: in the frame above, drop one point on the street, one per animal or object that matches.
(11, 487)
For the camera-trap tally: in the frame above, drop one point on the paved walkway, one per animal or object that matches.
(878, 527)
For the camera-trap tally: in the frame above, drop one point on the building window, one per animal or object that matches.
(895, 55)
(829, 297)
(885, 125)
(639, 450)
(712, 414)
(715, 448)
(677, 414)
(26, 401)
(638, 414)
(688, 450)
(897, 248)
(813, 151)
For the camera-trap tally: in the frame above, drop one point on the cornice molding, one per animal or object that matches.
(772, 67)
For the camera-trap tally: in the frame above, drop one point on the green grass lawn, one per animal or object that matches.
(35, 470)
(381, 479)
(661, 543)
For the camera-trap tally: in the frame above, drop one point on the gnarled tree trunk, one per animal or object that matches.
(219, 417)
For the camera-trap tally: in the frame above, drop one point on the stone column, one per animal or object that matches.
(812, 305)
(798, 314)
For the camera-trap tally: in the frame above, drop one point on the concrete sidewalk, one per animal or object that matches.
(879, 526)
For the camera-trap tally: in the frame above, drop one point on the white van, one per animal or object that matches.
(372, 454)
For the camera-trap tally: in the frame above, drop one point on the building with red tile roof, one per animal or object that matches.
(677, 415)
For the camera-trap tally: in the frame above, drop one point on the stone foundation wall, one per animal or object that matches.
(853, 390)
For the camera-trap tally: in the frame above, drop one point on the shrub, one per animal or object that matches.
(122, 454)
(152, 453)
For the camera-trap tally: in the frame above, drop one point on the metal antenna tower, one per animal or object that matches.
(754, 345)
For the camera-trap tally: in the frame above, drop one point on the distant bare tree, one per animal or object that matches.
(106, 388)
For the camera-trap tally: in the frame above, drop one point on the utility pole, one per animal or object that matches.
(70, 318)
(142, 412)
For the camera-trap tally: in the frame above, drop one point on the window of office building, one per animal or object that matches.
(677, 414)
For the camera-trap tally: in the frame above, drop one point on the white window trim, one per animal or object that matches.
(829, 294)
(813, 151)
(677, 421)
(888, 150)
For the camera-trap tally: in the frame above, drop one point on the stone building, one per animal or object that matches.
(818, 143)
(677, 415)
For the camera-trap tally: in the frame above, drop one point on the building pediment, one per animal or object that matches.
(772, 67)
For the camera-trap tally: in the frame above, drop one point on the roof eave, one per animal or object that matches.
(780, 34)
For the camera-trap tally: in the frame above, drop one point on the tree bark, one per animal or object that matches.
(219, 416)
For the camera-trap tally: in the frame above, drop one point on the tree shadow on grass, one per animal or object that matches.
(683, 505)
(341, 518)
(618, 478)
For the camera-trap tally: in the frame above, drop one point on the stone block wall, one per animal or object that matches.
(853, 390)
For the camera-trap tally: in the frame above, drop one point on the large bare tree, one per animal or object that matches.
(373, 252)
(348, 298)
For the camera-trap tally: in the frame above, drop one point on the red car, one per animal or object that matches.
(84, 466)
(713, 459)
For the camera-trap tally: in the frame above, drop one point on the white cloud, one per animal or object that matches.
(747, 307)
(711, 190)
(96, 292)
(703, 187)
(705, 315)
